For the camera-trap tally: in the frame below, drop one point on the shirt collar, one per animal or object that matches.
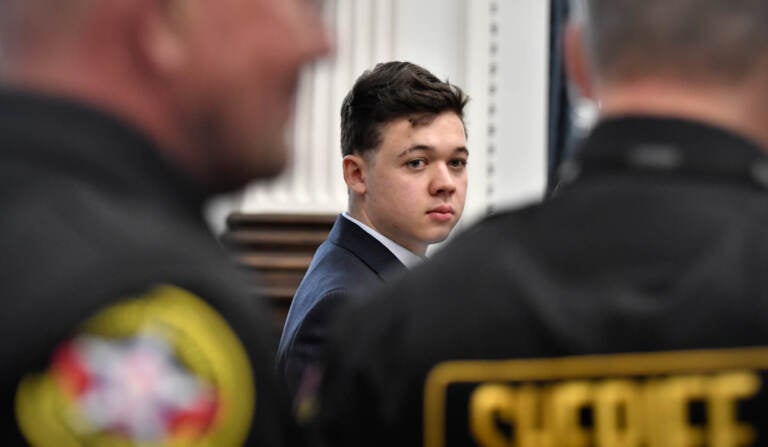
(407, 257)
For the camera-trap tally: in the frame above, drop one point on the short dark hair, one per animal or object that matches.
(390, 91)
(721, 40)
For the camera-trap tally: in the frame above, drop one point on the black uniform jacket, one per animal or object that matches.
(627, 310)
(349, 260)
(109, 272)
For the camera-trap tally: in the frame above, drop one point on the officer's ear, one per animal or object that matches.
(577, 60)
(355, 167)
(164, 30)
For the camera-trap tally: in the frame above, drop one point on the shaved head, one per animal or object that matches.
(23, 22)
(206, 80)
(722, 40)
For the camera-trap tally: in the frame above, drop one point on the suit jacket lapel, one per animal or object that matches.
(371, 252)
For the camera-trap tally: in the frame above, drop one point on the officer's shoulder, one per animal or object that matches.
(112, 225)
(494, 231)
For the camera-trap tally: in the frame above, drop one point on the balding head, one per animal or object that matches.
(212, 82)
(723, 40)
(26, 23)
(703, 60)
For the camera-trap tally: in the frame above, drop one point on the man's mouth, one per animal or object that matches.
(441, 213)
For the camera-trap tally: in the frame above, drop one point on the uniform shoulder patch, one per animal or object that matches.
(162, 369)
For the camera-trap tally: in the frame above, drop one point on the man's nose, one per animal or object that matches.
(317, 35)
(443, 181)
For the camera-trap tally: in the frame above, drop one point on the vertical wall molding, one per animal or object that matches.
(520, 88)
(493, 87)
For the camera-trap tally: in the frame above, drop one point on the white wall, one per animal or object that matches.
(496, 50)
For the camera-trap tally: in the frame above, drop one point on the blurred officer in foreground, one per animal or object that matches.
(122, 322)
(405, 156)
(628, 310)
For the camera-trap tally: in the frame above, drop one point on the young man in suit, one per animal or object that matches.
(631, 308)
(404, 146)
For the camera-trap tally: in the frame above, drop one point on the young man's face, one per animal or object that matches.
(415, 182)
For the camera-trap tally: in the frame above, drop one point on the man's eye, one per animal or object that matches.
(416, 163)
(458, 163)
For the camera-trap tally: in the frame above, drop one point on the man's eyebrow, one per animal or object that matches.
(416, 148)
(426, 148)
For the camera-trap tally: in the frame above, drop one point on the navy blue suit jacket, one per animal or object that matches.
(350, 259)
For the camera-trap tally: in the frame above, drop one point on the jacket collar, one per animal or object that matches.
(667, 146)
(365, 247)
(73, 137)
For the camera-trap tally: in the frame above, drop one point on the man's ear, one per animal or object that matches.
(577, 61)
(161, 35)
(355, 173)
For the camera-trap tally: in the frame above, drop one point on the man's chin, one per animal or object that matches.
(241, 175)
(439, 238)
(266, 171)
